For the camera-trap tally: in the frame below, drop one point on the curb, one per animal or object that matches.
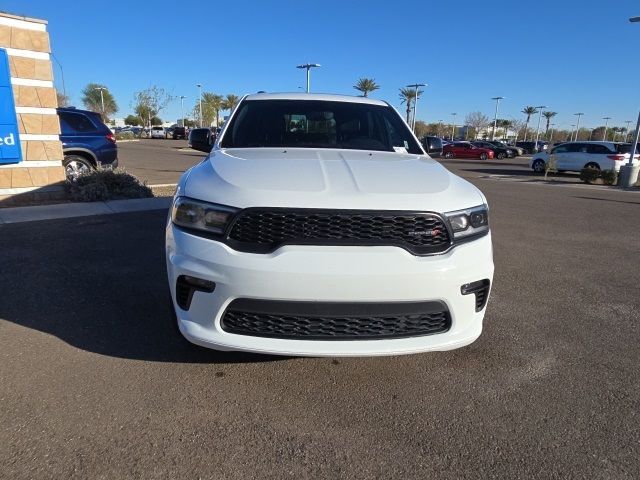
(70, 210)
(126, 141)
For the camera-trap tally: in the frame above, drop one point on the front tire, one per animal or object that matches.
(592, 165)
(500, 156)
(538, 166)
(75, 165)
(483, 156)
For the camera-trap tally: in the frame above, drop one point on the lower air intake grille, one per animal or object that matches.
(334, 321)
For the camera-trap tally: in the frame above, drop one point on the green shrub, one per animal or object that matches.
(609, 177)
(125, 136)
(101, 185)
(589, 175)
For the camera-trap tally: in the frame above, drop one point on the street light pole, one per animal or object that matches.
(495, 117)
(629, 172)
(101, 99)
(606, 123)
(541, 108)
(308, 67)
(415, 103)
(453, 127)
(199, 85)
(182, 97)
(578, 124)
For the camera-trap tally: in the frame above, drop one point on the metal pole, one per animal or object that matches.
(578, 124)
(634, 144)
(308, 67)
(541, 108)
(182, 97)
(495, 117)
(199, 85)
(606, 123)
(453, 127)
(415, 103)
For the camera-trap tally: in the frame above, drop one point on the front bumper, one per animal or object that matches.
(326, 274)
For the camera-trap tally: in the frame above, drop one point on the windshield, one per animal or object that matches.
(318, 124)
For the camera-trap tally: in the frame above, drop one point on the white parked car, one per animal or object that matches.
(574, 156)
(318, 226)
(157, 132)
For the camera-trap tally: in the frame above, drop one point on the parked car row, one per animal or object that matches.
(156, 132)
(574, 156)
(436, 147)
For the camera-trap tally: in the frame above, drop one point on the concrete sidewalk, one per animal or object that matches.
(67, 210)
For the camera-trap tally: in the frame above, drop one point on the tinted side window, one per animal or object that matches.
(576, 147)
(598, 149)
(560, 149)
(75, 123)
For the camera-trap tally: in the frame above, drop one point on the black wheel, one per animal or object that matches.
(75, 165)
(500, 156)
(483, 156)
(448, 155)
(592, 165)
(538, 166)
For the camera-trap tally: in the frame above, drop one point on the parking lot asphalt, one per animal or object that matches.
(157, 161)
(96, 383)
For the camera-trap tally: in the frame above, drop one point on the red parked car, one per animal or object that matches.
(466, 150)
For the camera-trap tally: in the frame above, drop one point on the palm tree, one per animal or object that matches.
(505, 125)
(528, 111)
(548, 116)
(230, 102)
(407, 95)
(366, 85)
(213, 103)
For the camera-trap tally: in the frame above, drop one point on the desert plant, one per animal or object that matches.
(125, 136)
(550, 166)
(589, 175)
(609, 177)
(101, 185)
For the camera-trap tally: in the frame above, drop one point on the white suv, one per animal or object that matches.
(317, 226)
(157, 132)
(574, 156)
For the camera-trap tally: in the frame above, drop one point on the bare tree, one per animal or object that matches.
(517, 126)
(150, 102)
(477, 121)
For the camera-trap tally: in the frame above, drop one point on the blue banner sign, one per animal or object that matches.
(10, 151)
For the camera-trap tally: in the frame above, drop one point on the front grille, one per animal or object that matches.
(334, 321)
(263, 230)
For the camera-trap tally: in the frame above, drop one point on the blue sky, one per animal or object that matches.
(573, 56)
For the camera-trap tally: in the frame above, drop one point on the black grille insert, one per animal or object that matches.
(335, 321)
(263, 230)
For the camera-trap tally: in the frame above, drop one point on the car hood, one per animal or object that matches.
(312, 178)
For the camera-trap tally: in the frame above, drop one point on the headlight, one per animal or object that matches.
(471, 222)
(208, 217)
